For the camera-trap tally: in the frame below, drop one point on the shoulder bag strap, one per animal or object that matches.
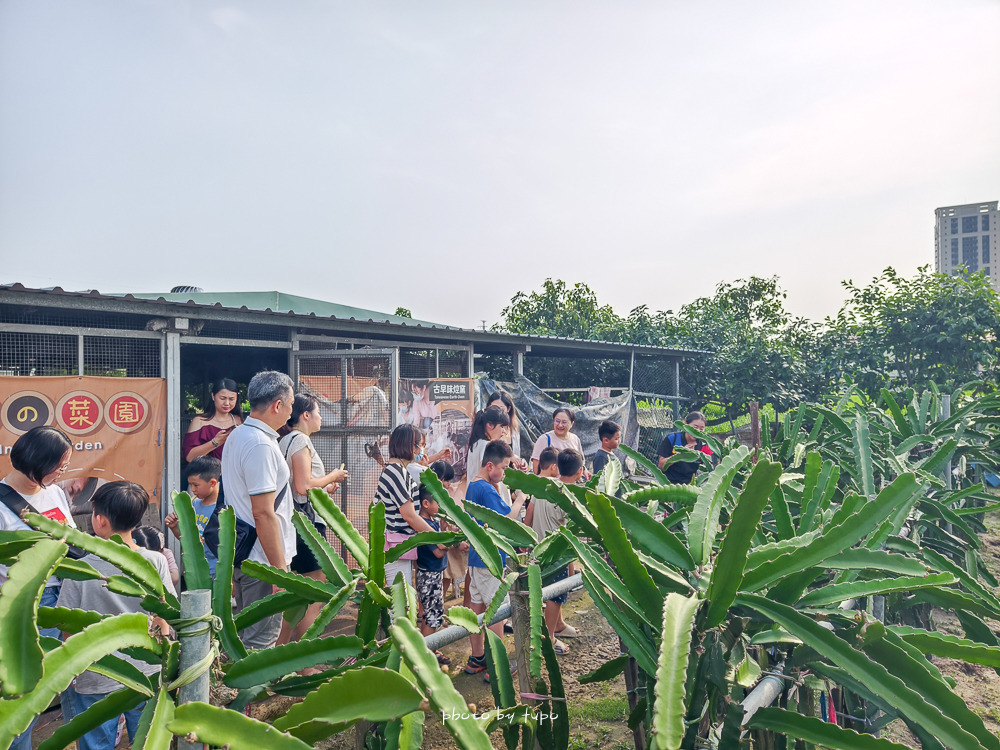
(17, 505)
(13, 500)
(280, 496)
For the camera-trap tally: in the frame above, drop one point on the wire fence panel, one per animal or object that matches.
(39, 354)
(453, 363)
(225, 329)
(417, 363)
(71, 318)
(353, 390)
(107, 356)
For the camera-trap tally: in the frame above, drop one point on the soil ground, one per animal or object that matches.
(978, 686)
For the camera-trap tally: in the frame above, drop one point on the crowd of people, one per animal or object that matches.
(264, 465)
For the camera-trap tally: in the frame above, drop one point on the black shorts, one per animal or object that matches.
(305, 561)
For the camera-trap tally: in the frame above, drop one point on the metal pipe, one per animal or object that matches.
(456, 632)
(766, 693)
(769, 688)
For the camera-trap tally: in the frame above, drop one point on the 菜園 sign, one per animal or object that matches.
(115, 424)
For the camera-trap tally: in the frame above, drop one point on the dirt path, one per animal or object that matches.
(978, 686)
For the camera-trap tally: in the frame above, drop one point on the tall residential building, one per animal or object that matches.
(967, 236)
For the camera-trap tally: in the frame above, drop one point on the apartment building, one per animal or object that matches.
(967, 236)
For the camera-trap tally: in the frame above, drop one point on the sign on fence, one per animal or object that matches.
(116, 426)
(442, 408)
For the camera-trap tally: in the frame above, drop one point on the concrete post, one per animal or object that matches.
(194, 648)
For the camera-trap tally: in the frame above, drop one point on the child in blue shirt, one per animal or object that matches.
(203, 476)
(483, 586)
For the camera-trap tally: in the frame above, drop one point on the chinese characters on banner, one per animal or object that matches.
(116, 426)
(442, 408)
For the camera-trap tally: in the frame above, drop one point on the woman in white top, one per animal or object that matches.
(502, 398)
(307, 472)
(492, 423)
(559, 437)
(39, 458)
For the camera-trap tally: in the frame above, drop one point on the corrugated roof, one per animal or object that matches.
(483, 340)
(284, 303)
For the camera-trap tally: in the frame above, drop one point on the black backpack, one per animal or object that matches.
(246, 534)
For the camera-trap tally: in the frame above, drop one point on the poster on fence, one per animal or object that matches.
(116, 426)
(442, 408)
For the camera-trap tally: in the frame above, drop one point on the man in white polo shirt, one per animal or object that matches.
(255, 477)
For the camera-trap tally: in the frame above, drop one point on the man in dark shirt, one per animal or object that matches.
(682, 472)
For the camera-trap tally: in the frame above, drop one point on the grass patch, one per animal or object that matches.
(612, 708)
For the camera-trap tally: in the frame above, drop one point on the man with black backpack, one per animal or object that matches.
(256, 477)
(682, 472)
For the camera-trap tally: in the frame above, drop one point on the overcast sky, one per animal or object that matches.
(442, 156)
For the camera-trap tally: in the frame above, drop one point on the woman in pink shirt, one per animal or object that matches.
(208, 432)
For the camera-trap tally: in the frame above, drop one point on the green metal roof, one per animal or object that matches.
(281, 302)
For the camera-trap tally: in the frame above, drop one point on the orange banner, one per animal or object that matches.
(117, 426)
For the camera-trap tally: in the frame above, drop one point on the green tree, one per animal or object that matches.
(928, 328)
(754, 345)
(559, 309)
(757, 347)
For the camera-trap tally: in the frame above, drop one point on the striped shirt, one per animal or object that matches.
(395, 488)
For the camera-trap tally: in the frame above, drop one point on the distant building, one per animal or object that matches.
(967, 236)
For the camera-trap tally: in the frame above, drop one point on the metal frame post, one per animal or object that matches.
(294, 339)
(472, 360)
(677, 389)
(172, 447)
(631, 370)
(394, 388)
(519, 363)
(79, 354)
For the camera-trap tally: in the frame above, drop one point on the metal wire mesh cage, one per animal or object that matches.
(353, 390)
(38, 354)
